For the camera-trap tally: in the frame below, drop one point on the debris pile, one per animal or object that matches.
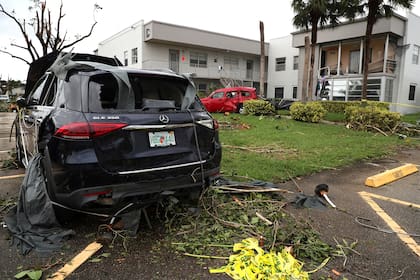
(228, 217)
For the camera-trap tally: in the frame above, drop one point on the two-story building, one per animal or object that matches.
(283, 65)
(218, 60)
(215, 60)
(394, 70)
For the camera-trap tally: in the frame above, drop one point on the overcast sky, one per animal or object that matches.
(238, 18)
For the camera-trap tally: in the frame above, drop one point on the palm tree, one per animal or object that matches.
(310, 14)
(375, 9)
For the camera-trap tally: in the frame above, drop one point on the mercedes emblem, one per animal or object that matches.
(163, 118)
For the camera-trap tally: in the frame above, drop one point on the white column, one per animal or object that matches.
(339, 58)
(386, 53)
(361, 57)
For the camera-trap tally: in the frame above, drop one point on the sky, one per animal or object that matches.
(232, 17)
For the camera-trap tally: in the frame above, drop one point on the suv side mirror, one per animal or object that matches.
(21, 102)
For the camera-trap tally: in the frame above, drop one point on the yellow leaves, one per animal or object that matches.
(252, 262)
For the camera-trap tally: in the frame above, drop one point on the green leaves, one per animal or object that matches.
(100, 257)
(307, 112)
(30, 273)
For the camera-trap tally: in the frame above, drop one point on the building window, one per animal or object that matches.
(134, 56)
(294, 92)
(279, 92)
(280, 64)
(295, 62)
(416, 52)
(198, 60)
(202, 87)
(126, 58)
(412, 92)
(231, 63)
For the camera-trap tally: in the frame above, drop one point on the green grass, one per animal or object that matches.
(411, 118)
(334, 117)
(305, 148)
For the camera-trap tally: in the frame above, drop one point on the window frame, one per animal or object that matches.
(295, 62)
(134, 56)
(280, 64)
(198, 59)
(416, 54)
(294, 92)
(412, 92)
(281, 92)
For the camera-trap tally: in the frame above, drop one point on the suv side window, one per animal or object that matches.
(51, 92)
(245, 93)
(34, 98)
(69, 94)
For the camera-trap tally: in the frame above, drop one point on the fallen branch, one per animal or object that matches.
(296, 184)
(234, 188)
(267, 221)
(205, 256)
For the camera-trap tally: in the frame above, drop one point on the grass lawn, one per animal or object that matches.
(272, 149)
(411, 118)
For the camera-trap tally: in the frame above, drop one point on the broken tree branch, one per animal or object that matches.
(15, 56)
(81, 38)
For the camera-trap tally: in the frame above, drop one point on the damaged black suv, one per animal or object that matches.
(109, 134)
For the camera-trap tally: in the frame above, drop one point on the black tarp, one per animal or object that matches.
(32, 221)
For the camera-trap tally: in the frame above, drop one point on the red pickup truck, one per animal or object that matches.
(229, 99)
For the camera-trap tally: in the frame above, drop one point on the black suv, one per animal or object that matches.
(110, 134)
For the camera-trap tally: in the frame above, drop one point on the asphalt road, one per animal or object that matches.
(380, 253)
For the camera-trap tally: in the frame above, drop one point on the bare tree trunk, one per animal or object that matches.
(373, 6)
(366, 56)
(262, 60)
(305, 71)
(314, 38)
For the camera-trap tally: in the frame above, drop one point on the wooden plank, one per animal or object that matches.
(390, 175)
(12, 176)
(77, 261)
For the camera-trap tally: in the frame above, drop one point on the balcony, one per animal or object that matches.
(345, 59)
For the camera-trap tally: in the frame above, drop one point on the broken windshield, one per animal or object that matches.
(145, 92)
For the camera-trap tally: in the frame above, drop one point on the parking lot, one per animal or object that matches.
(383, 222)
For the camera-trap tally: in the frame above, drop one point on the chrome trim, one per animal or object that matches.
(161, 168)
(157, 126)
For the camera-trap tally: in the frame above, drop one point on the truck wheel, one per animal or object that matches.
(240, 109)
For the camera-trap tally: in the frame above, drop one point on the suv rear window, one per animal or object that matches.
(106, 92)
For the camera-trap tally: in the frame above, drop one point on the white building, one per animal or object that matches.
(394, 70)
(217, 60)
(214, 59)
(282, 69)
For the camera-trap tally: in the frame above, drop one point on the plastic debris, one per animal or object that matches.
(252, 262)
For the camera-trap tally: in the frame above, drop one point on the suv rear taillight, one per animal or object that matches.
(212, 124)
(84, 130)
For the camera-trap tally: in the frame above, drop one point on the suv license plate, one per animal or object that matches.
(162, 139)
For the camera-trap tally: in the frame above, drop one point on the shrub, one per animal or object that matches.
(341, 106)
(258, 107)
(309, 112)
(3, 106)
(371, 118)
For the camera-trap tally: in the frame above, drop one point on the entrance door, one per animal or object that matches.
(354, 61)
(174, 60)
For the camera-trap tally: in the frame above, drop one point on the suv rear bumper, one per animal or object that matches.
(117, 194)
